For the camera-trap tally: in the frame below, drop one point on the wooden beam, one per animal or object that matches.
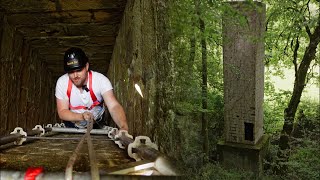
(18, 6)
(71, 41)
(90, 51)
(70, 17)
(94, 57)
(62, 30)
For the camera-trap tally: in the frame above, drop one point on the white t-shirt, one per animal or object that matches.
(100, 85)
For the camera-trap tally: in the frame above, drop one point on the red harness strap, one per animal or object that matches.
(32, 173)
(93, 96)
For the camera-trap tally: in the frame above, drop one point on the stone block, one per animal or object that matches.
(243, 156)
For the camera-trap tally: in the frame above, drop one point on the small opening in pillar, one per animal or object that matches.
(248, 131)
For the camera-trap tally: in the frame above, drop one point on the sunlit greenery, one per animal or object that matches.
(286, 21)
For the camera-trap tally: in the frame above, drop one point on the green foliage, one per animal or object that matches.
(215, 171)
(191, 152)
(307, 122)
(286, 21)
(184, 26)
(304, 160)
(190, 138)
(274, 105)
(304, 163)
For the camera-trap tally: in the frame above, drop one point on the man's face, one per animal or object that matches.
(79, 77)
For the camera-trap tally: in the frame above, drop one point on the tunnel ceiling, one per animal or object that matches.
(50, 27)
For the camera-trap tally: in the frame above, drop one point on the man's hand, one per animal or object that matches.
(116, 110)
(88, 116)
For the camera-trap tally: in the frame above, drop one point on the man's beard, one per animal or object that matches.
(78, 82)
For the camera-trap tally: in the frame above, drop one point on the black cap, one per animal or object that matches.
(74, 59)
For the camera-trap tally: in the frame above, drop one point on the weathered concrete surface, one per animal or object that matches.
(141, 57)
(243, 69)
(243, 156)
(23, 78)
(53, 155)
(244, 144)
(133, 63)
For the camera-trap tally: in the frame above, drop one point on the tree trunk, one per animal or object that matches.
(299, 84)
(192, 51)
(204, 84)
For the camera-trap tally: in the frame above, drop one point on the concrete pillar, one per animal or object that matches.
(243, 55)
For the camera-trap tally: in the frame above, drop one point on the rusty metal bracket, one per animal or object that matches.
(19, 130)
(119, 135)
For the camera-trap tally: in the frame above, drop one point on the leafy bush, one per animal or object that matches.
(304, 162)
(215, 171)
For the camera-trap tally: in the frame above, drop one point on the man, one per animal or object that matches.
(81, 94)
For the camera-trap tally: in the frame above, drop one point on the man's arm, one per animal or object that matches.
(116, 110)
(65, 114)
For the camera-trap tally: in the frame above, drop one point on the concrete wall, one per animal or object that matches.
(139, 57)
(27, 91)
(132, 63)
(243, 55)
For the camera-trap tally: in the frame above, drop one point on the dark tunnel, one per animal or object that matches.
(122, 41)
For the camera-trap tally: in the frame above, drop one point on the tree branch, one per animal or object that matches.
(295, 55)
(308, 30)
(287, 44)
